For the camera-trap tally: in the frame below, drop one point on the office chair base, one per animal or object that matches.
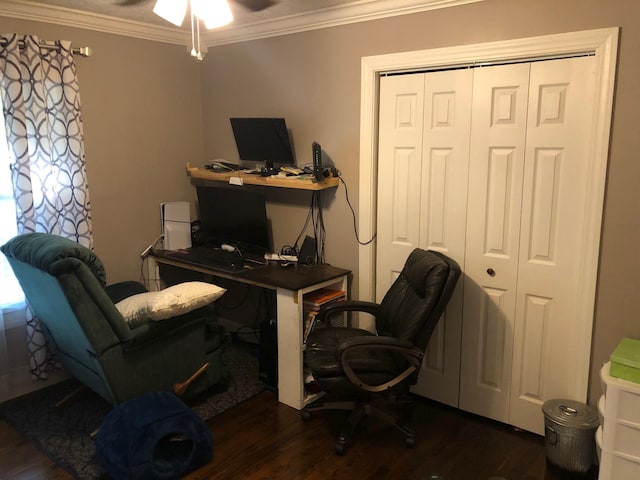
(359, 412)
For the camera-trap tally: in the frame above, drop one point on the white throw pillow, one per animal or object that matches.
(170, 302)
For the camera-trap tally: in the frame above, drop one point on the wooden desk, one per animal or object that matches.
(290, 284)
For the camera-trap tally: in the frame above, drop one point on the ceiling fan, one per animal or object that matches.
(252, 5)
(255, 5)
(214, 14)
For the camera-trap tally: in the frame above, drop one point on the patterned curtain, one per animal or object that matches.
(41, 103)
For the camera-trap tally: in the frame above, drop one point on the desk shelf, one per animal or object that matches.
(302, 182)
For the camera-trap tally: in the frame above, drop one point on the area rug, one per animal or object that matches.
(64, 433)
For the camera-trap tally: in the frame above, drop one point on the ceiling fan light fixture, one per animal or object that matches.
(214, 13)
(172, 11)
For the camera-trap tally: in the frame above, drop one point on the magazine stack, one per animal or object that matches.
(312, 303)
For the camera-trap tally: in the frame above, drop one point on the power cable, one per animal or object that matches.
(353, 213)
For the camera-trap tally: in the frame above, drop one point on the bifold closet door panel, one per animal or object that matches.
(553, 231)
(401, 118)
(422, 183)
(496, 168)
(444, 180)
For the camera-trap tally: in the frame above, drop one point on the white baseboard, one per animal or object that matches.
(19, 382)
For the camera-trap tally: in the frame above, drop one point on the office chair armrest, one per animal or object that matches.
(346, 306)
(412, 354)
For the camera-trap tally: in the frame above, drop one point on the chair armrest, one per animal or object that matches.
(153, 331)
(412, 354)
(347, 306)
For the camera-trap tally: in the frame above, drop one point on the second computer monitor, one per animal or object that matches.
(235, 216)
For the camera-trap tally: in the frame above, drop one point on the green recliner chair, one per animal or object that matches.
(65, 286)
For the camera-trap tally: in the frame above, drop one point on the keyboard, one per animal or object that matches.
(231, 262)
(219, 167)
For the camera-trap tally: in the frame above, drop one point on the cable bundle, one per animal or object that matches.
(314, 216)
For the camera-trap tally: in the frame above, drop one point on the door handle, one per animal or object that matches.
(491, 272)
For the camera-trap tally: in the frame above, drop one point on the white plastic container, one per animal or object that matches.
(621, 432)
(620, 442)
(601, 410)
(614, 466)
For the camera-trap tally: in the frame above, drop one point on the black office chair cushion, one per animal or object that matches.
(374, 366)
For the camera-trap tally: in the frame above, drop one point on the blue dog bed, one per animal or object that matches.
(155, 436)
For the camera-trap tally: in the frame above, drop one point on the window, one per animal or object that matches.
(10, 293)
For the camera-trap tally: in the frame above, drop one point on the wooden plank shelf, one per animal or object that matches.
(302, 182)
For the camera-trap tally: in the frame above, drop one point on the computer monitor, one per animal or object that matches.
(264, 140)
(235, 216)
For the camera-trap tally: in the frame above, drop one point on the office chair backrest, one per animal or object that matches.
(412, 306)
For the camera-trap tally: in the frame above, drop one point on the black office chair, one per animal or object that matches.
(370, 373)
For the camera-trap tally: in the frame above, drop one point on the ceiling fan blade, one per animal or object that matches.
(129, 3)
(256, 5)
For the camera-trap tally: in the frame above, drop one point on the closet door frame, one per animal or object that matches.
(601, 43)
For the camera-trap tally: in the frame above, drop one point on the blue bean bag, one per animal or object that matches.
(154, 436)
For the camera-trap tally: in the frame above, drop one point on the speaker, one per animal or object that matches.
(308, 251)
(176, 225)
(316, 152)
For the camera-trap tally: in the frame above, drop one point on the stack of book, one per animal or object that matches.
(313, 301)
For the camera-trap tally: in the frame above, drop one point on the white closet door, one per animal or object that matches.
(551, 240)
(498, 133)
(399, 181)
(422, 185)
(445, 167)
(492, 168)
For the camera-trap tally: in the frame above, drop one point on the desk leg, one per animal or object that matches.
(290, 381)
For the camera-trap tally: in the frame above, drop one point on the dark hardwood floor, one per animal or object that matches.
(262, 439)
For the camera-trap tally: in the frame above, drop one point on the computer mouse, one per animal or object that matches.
(228, 248)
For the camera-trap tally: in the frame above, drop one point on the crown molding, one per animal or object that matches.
(353, 12)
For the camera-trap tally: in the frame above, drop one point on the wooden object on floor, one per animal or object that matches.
(180, 388)
(73, 395)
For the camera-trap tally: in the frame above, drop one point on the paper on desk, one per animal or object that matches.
(235, 181)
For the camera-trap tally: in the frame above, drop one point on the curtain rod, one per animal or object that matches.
(82, 51)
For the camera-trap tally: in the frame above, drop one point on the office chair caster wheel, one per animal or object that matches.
(306, 415)
(410, 442)
(340, 449)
